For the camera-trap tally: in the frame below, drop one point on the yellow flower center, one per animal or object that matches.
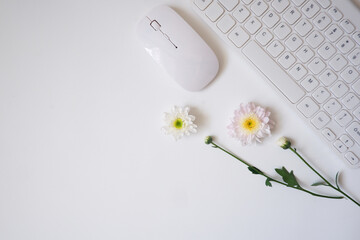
(250, 123)
(178, 123)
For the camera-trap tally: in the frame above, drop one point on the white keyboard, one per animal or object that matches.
(309, 50)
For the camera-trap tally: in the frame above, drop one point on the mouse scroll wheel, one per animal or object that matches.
(155, 25)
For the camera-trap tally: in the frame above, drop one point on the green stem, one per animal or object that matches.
(326, 181)
(274, 180)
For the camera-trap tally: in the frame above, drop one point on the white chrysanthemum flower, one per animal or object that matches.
(250, 123)
(179, 123)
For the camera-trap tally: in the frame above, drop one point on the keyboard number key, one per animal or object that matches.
(335, 13)
(347, 26)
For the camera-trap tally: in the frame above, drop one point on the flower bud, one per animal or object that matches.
(208, 140)
(284, 143)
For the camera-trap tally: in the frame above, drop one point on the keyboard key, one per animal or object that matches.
(343, 118)
(308, 107)
(356, 37)
(340, 146)
(310, 9)
(345, 44)
(280, 5)
(214, 11)
(335, 13)
(303, 27)
(229, 4)
(241, 13)
(202, 4)
(324, 3)
(354, 56)
(293, 42)
(339, 89)
(264, 37)
(298, 2)
(316, 65)
(282, 30)
(315, 39)
(226, 23)
(347, 26)
(333, 33)
(326, 51)
(309, 83)
(357, 113)
(270, 19)
(322, 21)
(275, 48)
(238, 36)
(349, 74)
(320, 120)
(346, 140)
(328, 134)
(350, 101)
(252, 25)
(328, 77)
(298, 71)
(354, 131)
(273, 72)
(291, 15)
(321, 94)
(338, 62)
(259, 7)
(286, 60)
(352, 158)
(356, 87)
(305, 54)
(247, 1)
(332, 106)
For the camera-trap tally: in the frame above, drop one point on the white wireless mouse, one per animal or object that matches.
(175, 46)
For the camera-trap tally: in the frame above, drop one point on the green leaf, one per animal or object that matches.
(268, 183)
(288, 177)
(254, 170)
(337, 179)
(319, 183)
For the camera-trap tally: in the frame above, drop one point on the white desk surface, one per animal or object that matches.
(81, 151)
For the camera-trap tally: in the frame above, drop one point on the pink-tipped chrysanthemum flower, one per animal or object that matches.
(250, 123)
